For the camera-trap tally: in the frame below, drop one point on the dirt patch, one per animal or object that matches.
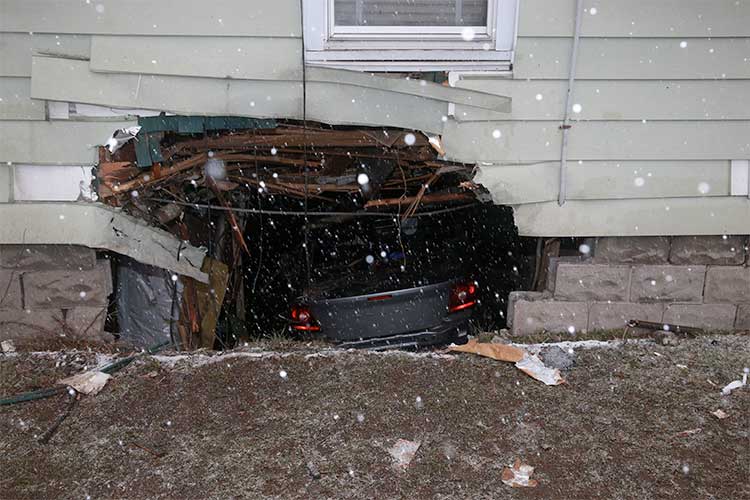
(247, 426)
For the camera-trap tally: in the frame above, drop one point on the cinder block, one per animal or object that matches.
(11, 296)
(86, 321)
(708, 316)
(615, 315)
(667, 283)
(710, 250)
(589, 282)
(514, 297)
(632, 250)
(727, 284)
(24, 324)
(552, 269)
(68, 289)
(743, 317)
(550, 316)
(46, 257)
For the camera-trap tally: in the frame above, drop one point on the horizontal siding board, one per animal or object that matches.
(16, 50)
(653, 217)
(637, 18)
(16, 103)
(218, 57)
(633, 59)
(149, 17)
(55, 143)
(615, 100)
(596, 180)
(68, 80)
(71, 81)
(535, 141)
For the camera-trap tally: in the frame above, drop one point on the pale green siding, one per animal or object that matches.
(16, 102)
(55, 142)
(664, 95)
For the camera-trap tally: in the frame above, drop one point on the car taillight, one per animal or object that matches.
(463, 296)
(303, 319)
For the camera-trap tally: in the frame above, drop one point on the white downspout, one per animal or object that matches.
(566, 117)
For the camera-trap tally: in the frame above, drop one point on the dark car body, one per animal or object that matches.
(406, 318)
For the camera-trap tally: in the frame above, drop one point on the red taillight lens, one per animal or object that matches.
(303, 320)
(463, 296)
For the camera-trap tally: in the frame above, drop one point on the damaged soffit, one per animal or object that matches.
(101, 227)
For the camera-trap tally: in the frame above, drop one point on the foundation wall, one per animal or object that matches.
(699, 281)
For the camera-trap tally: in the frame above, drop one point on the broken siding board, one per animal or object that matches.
(363, 106)
(596, 180)
(217, 57)
(16, 102)
(97, 226)
(535, 141)
(422, 88)
(55, 143)
(147, 17)
(636, 18)
(17, 49)
(615, 100)
(71, 81)
(656, 217)
(633, 59)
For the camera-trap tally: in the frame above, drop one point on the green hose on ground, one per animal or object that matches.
(52, 391)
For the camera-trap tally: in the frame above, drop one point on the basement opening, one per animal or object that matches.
(362, 236)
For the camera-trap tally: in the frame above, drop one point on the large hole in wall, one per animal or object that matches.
(294, 210)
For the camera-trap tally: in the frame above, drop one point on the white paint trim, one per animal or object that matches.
(740, 178)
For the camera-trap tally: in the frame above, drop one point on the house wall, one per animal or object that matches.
(664, 90)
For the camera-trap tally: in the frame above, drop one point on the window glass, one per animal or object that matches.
(410, 12)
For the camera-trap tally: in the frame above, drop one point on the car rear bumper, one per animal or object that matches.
(451, 332)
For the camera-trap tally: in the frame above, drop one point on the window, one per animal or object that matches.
(410, 35)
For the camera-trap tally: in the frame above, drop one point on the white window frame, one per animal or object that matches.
(385, 48)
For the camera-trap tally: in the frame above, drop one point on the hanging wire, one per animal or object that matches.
(306, 229)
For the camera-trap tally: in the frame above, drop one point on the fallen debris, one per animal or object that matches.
(7, 346)
(720, 414)
(666, 327)
(689, 432)
(530, 364)
(519, 475)
(556, 357)
(735, 384)
(89, 383)
(535, 368)
(403, 452)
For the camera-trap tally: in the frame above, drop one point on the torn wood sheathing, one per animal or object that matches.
(348, 170)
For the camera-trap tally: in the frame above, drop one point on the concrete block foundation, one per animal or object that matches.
(52, 291)
(701, 281)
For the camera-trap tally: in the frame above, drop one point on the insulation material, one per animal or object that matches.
(147, 303)
(87, 382)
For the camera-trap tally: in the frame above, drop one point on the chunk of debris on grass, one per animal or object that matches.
(519, 475)
(403, 452)
(720, 414)
(527, 363)
(735, 384)
(7, 346)
(87, 382)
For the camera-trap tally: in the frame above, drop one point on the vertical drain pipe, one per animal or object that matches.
(566, 117)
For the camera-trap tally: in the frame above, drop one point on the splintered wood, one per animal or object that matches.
(349, 170)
